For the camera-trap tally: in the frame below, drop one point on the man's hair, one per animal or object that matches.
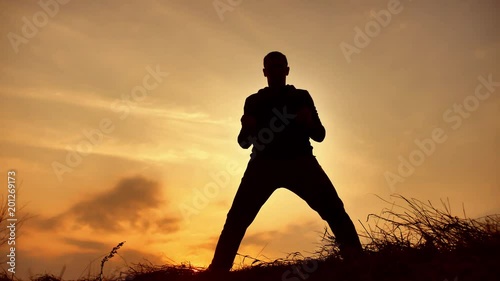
(275, 55)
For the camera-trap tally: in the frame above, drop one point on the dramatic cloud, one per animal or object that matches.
(132, 203)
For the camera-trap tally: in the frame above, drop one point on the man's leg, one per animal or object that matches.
(311, 183)
(255, 188)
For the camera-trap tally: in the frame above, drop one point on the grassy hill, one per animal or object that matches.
(410, 240)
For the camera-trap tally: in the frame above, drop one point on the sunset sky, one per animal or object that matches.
(100, 160)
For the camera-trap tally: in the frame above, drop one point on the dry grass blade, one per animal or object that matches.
(109, 256)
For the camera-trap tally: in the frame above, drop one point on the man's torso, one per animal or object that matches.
(278, 133)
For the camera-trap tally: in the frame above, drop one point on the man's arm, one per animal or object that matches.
(248, 125)
(310, 119)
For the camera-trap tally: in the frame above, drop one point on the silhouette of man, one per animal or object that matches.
(278, 121)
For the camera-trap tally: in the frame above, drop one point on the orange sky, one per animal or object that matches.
(75, 72)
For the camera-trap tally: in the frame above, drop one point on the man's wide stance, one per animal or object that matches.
(278, 121)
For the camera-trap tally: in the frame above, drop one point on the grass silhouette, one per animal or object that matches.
(108, 257)
(410, 240)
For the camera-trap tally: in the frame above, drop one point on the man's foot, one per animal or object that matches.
(215, 274)
(350, 254)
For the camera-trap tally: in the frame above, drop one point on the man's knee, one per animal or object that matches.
(327, 202)
(238, 220)
(332, 213)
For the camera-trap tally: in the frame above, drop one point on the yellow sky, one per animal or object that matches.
(73, 73)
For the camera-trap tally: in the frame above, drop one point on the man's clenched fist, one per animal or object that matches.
(304, 117)
(249, 123)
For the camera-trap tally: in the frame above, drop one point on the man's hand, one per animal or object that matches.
(304, 117)
(248, 128)
(249, 123)
(315, 130)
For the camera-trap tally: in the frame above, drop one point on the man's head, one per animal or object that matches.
(276, 69)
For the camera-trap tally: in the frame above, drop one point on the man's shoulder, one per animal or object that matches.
(264, 92)
(252, 98)
(301, 91)
(258, 95)
(289, 88)
(301, 95)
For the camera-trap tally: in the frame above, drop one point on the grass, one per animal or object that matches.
(410, 240)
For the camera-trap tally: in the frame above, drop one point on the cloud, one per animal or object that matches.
(261, 238)
(132, 204)
(258, 239)
(273, 242)
(208, 245)
(86, 244)
(167, 225)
